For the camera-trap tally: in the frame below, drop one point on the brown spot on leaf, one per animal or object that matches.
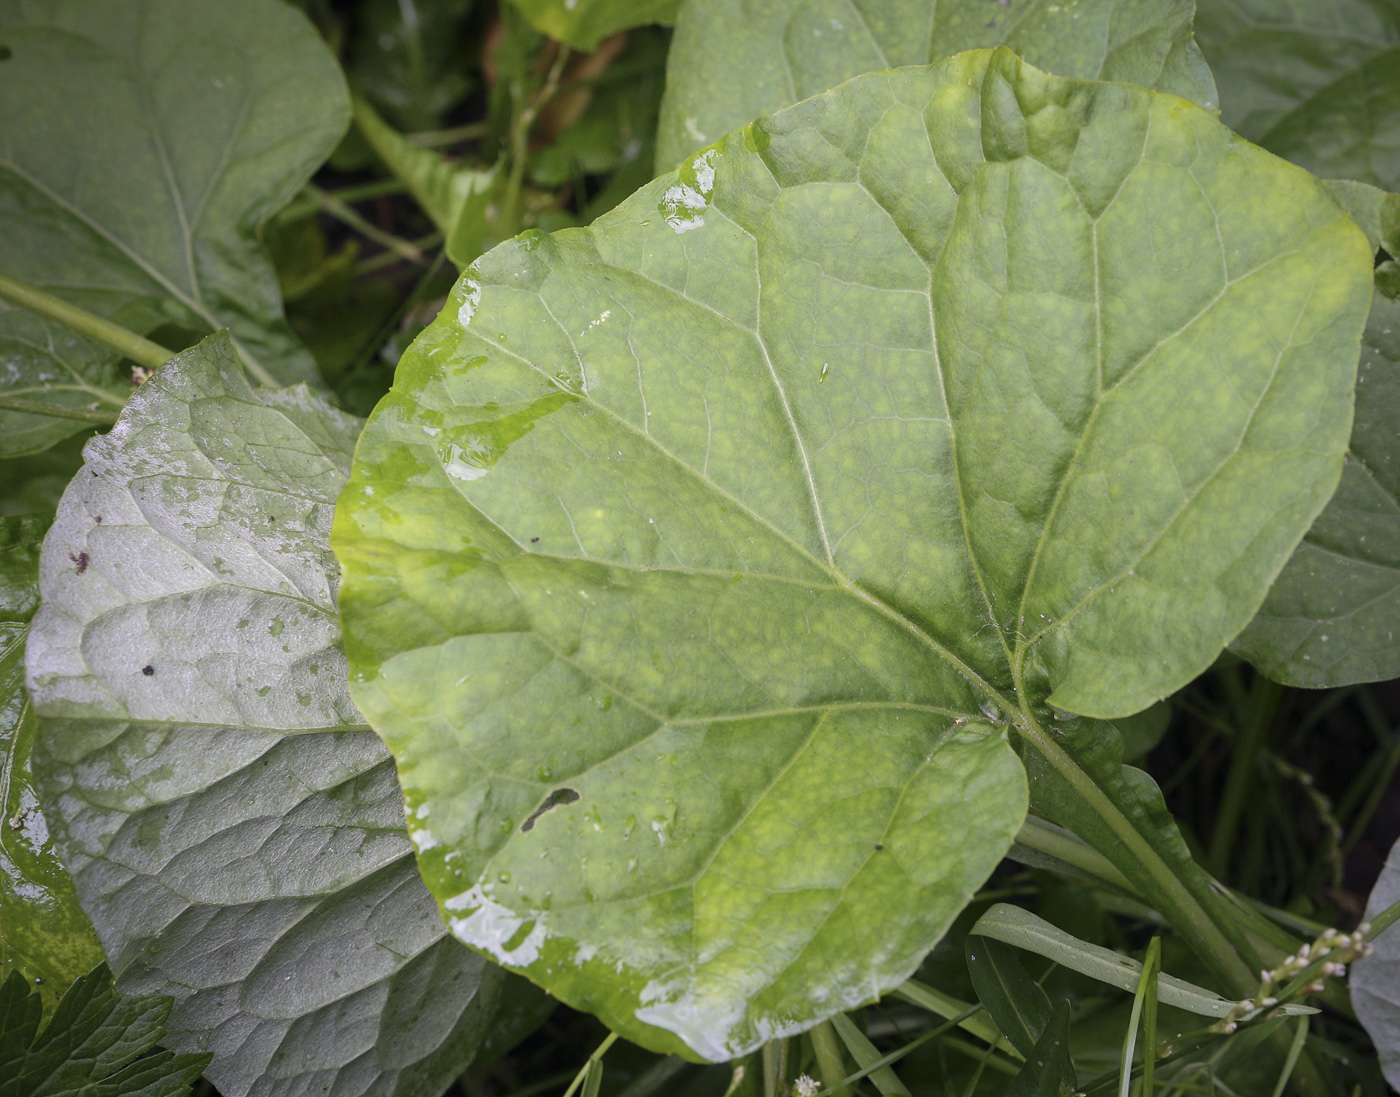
(80, 561)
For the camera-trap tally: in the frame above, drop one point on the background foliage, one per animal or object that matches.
(313, 181)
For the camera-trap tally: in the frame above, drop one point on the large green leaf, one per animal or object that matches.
(142, 144)
(1316, 82)
(1333, 616)
(734, 60)
(698, 561)
(584, 23)
(234, 831)
(43, 935)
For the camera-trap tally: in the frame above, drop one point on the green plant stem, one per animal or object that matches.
(829, 1062)
(523, 120)
(57, 411)
(865, 1054)
(1294, 1050)
(1380, 783)
(774, 1067)
(1174, 899)
(348, 217)
(430, 139)
(1263, 702)
(1037, 834)
(597, 1055)
(1146, 988)
(141, 351)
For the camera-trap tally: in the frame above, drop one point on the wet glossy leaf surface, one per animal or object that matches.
(1317, 82)
(582, 24)
(690, 577)
(44, 935)
(734, 60)
(235, 832)
(142, 145)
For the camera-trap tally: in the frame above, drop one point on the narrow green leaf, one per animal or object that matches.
(700, 562)
(866, 1054)
(734, 60)
(1333, 616)
(1049, 1070)
(96, 1042)
(1010, 996)
(44, 935)
(234, 831)
(1018, 927)
(453, 197)
(584, 23)
(1145, 995)
(948, 1007)
(142, 145)
(1317, 83)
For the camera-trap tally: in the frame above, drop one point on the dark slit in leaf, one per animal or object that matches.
(555, 799)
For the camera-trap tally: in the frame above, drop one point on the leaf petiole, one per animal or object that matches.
(140, 350)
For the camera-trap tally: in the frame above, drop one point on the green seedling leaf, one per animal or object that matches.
(44, 935)
(584, 23)
(1049, 1071)
(734, 60)
(141, 146)
(1333, 616)
(96, 1043)
(453, 197)
(234, 830)
(700, 562)
(1010, 996)
(46, 363)
(1015, 926)
(1317, 83)
(1375, 979)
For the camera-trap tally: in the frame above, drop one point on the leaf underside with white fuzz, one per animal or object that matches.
(141, 146)
(734, 60)
(698, 561)
(1375, 979)
(234, 830)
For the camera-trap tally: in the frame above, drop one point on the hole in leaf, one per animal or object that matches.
(555, 799)
(5, 52)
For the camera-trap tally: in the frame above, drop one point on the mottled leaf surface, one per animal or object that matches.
(1375, 979)
(141, 146)
(734, 60)
(584, 23)
(234, 830)
(697, 560)
(44, 934)
(1316, 82)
